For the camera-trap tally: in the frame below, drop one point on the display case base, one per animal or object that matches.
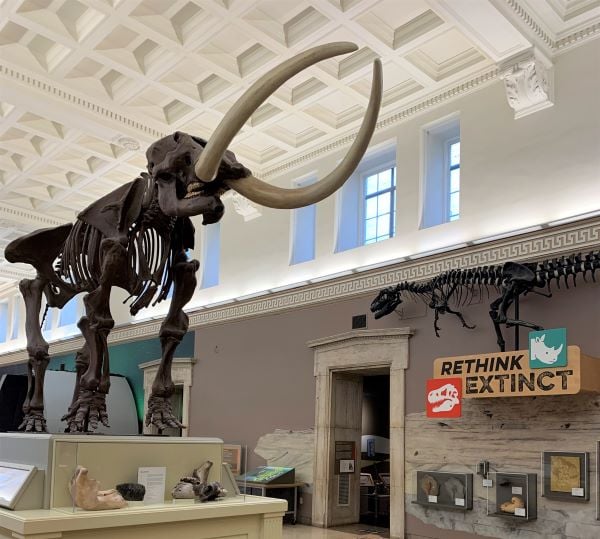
(244, 516)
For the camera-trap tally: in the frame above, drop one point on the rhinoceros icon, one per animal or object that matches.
(546, 354)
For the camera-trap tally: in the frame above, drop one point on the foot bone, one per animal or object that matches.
(88, 411)
(160, 413)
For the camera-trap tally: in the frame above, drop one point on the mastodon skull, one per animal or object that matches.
(191, 176)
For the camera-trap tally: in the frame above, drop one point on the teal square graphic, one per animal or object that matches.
(548, 348)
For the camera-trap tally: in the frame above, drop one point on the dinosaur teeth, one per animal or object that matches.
(192, 194)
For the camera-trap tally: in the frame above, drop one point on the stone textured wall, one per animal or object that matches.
(510, 433)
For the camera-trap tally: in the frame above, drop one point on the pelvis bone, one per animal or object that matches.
(86, 493)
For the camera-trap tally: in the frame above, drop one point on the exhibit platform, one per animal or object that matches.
(36, 477)
(254, 517)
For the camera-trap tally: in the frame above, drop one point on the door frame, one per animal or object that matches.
(359, 350)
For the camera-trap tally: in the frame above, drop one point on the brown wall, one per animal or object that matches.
(256, 375)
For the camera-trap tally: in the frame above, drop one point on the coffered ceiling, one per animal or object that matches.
(86, 85)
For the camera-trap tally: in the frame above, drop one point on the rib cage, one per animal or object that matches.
(149, 258)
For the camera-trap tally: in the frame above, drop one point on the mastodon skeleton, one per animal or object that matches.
(449, 290)
(136, 238)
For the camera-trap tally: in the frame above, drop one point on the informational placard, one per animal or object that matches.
(13, 479)
(346, 466)
(345, 451)
(232, 455)
(153, 478)
(579, 492)
(508, 374)
(517, 490)
(270, 474)
(459, 501)
(520, 512)
(432, 499)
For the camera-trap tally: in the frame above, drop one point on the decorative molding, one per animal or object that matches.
(554, 45)
(462, 88)
(545, 243)
(529, 85)
(244, 207)
(577, 37)
(26, 216)
(526, 17)
(128, 143)
(47, 87)
(15, 273)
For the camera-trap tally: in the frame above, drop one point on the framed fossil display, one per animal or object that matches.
(445, 490)
(565, 476)
(515, 495)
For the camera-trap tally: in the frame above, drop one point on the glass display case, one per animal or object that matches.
(515, 495)
(445, 490)
(115, 486)
(565, 476)
(39, 469)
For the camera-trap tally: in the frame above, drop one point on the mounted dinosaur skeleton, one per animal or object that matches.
(136, 237)
(448, 291)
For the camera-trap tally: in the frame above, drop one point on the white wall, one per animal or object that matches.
(514, 174)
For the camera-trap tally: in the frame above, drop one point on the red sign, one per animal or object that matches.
(444, 397)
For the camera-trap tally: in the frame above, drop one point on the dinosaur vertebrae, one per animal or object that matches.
(543, 274)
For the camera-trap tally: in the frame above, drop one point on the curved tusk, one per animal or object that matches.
(208, 163)
(277, 197)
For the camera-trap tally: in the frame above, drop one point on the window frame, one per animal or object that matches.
(366, 172)
(294, 254)
(434, 183)
(448, 185)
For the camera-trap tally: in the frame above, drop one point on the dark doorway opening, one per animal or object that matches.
(375, 452)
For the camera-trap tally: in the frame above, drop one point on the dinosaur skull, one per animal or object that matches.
(386, 302)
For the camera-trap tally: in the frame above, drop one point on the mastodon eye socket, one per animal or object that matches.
(176, 136)
(150, 166)
(187, 159)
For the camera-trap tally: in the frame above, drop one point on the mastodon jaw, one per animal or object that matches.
(276, 197)
(208, 163)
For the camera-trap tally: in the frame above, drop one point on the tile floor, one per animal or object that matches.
(362, 531)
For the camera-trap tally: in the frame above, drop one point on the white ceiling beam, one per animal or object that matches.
(484, 25)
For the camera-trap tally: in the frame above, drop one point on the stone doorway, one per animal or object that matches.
(340, 362)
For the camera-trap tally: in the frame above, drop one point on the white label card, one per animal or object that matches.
(517, 490)
(459, 501)
(520, 512)
(346, 466)
(153, 478)
(432, 499)
(488, 483)
(577, 492)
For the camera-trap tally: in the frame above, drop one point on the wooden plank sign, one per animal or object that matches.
(508, 374)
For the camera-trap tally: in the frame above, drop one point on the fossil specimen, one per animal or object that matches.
(86, 493)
